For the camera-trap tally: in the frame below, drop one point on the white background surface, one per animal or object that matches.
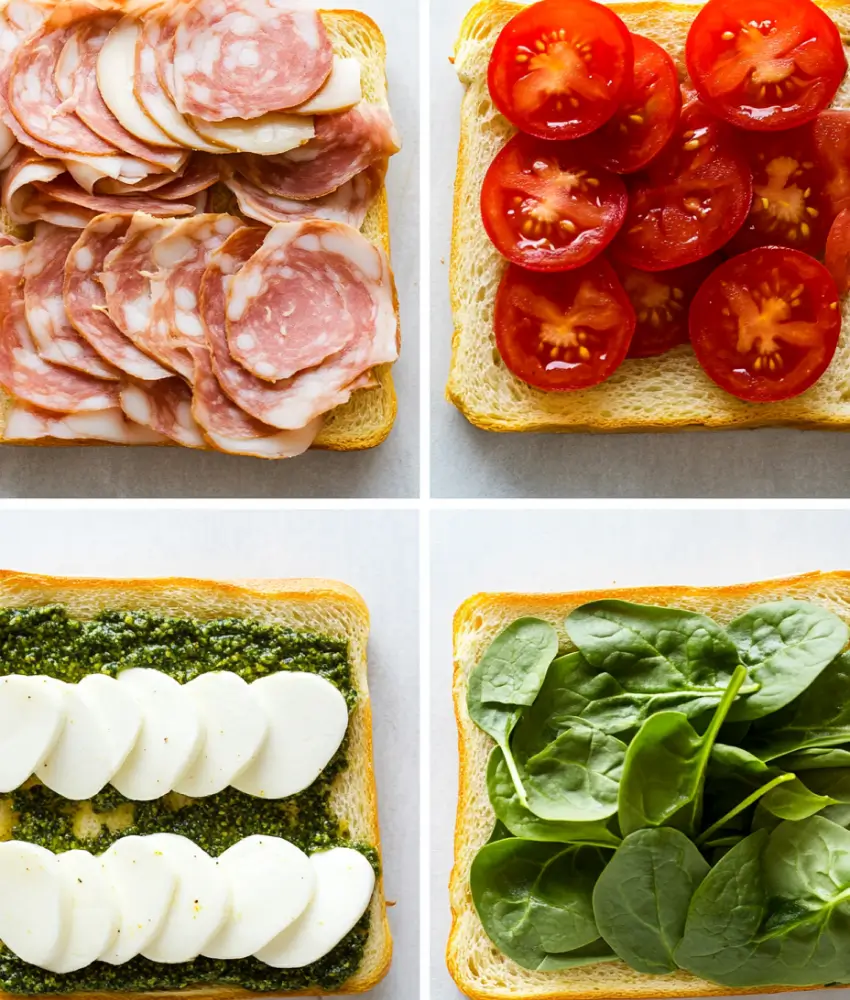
(374, 552)
(392, 470)
(468, 462)
(532, 551)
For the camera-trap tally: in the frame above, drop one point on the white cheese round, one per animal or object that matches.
(79, 765)
(118, 713)
(93, 919)
(34, 903)
(31, 720)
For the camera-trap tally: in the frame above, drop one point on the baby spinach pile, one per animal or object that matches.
(670, 793)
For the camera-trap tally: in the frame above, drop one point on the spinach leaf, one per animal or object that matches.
(576, 777)
(814, 759)
(507, 678)
(818, 718)
(837, 814)
(591, 954)
(641, 899)
(535, 900)
(500, 831)
(665, 766)
(833, 783)
(639, 659)
(521, 822)
(784, 645)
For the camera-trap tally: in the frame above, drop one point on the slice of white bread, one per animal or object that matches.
(324, 606)
(664, 393)
(476, 965)
(367, 418)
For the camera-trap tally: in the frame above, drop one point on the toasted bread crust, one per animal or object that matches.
(467, 615)
(222, 597)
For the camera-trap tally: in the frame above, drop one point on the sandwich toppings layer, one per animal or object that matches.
(222, 739)
(669, 793)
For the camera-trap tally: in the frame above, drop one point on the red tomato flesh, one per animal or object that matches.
(563, 331)
(831, 134)
(765, 64)
(765, 325)
(648, 112)
(546, 207)
(691, 200)
(661, 301)
(559, 67)
(838, 252)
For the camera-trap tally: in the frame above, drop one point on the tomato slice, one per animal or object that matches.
(765, 325)
(789, 208)
(661, 302)
(648, 112)
(546, 206)
(563, 331)
(831, 133)
(558, 68)
(838, 252)
(691, 199)
(765, 64)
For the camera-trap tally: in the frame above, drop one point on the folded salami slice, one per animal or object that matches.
(64, 189)
(179, 261)
(200, 175)
(85, 302)
(164, 407)
(28, 423)
(344, 145)
(293, 403)
(76, 79)
(349, 203)
(23, 374)
(19, 179)
(243, 58)
(55, 338)
(230, 429)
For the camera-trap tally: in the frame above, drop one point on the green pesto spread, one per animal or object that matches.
(47, 641)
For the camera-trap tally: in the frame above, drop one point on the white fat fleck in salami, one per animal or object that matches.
(273, 133)
(65, 190)
(179, 261)
(85, 302)
(28, 423)
(230, 429)
(23, 374)
(243, 58)
(164, 407)
(339, 92)
(292, 403)
(55, 338)
(35, 101)
(345, 144)
(77, 67)
(156, 34)
(349, 203)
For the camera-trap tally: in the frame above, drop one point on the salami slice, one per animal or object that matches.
(85, 302)
(19, 180)
(243, 58)
(180, 260)
(230, 429)
(76, 79)
(17, 20)
(44, 274)
(164, 407)
(293, 403)
(345, 144)
(200, 174)
(349, 203)
(65, 190)
(309, 292)
(28, 423)
(339, 92)
(23, 374)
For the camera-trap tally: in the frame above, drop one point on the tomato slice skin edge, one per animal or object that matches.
(837, 258)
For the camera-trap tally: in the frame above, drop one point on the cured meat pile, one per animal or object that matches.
(202, 331)
(107, 111)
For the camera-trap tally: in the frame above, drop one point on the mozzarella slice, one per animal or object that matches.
(116, 63)
(34, 903)
(79, 765)
(168, 740)
(31, 721)
(269, 134)
(143, 882)
(271, 883)
(201, 902)
(93, 918)
(344, 884)
(307, 721)
(118, 713)
(233, 732)
(340, 91)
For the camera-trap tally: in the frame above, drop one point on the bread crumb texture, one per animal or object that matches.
(665, 393)
(476, 965)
